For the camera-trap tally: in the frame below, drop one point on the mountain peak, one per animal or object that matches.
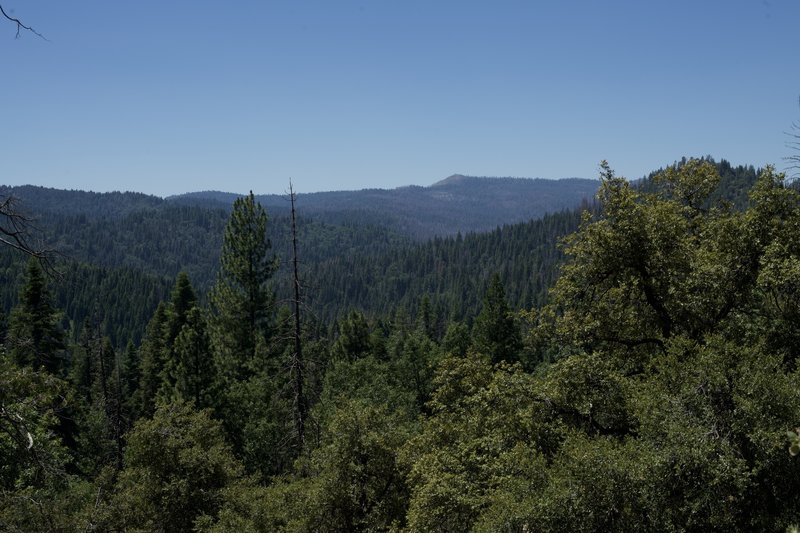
(450, 180)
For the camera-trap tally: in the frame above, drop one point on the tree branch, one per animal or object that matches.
(20, 25)
(793, 143)
(15, 229)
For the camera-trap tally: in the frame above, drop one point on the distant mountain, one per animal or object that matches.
(455, 204)
(38, 200)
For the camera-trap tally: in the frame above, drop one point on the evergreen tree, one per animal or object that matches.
(130, 375)
(250, 398)
(242, 301)
(354, 340)
(194, 369)
(456, 339)
(34, 336)
(37, 492)
(181, 302)
(426, 318)
(496, 332)
(3, 326)
(151, 355)
(96, 379)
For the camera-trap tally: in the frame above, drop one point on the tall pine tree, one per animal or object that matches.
(242, 301)
(255, 413)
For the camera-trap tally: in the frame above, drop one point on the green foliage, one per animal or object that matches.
(488, 429)
(652, 393)
(30, 449)
(357, 483)
(177, 467)
(99, 412)
(152, 357)
(36, 493)
(195, 373)
(667, 406)
(241, 301)
(674, 371)
(351, 482)
(354, 340)
(496, 332)
(34, 336)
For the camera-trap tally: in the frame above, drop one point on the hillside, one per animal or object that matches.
(457, 204)
(649, 356)
(349, 259)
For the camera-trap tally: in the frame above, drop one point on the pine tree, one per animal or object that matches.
(3, 326)
(248, 396)
(182, 301)
(194, 370)
(34, 336)
(151, 355)
(495, 332)
(354, 340)
(130, 374)
(242, 301)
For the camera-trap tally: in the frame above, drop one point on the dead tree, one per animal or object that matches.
(16, 230)
(793, 143)
(296, 364)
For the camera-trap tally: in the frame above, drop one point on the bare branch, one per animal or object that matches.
(793, 143)
(16, 229)
(20, 25)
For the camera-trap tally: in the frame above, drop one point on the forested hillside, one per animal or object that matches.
(136, 245)
(458, 204)
(651, 390)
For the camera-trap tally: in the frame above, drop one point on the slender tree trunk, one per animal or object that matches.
(118, 415)
(297, 358)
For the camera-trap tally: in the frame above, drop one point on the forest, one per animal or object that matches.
(626, 364)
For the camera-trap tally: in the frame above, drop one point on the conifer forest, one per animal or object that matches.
(624, 361)
(352, 266)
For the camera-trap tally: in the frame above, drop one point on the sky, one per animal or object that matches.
(186, 95)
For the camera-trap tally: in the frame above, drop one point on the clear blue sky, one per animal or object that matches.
(176, 95)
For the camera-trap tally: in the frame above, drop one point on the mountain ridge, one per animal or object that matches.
(451, 180)
(457, 204)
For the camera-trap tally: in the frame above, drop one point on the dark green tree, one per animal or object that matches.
(242, 301)
(35, 337)
(354, 339)
(496, 332)
(37, 493)
(100, 413)
(177, 466)
(181, 301)
(3, 326)
(130, 370)
(252, 386)
(152, 357)
(195, 372)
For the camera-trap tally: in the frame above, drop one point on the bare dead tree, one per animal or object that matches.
(793, 143)
(16, 231)
(20, 25)
(297, 357)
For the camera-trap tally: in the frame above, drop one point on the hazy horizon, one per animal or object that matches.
(166, 98)
(286, 191)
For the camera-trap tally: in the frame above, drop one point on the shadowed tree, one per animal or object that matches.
(496, 332)
(34, 335)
